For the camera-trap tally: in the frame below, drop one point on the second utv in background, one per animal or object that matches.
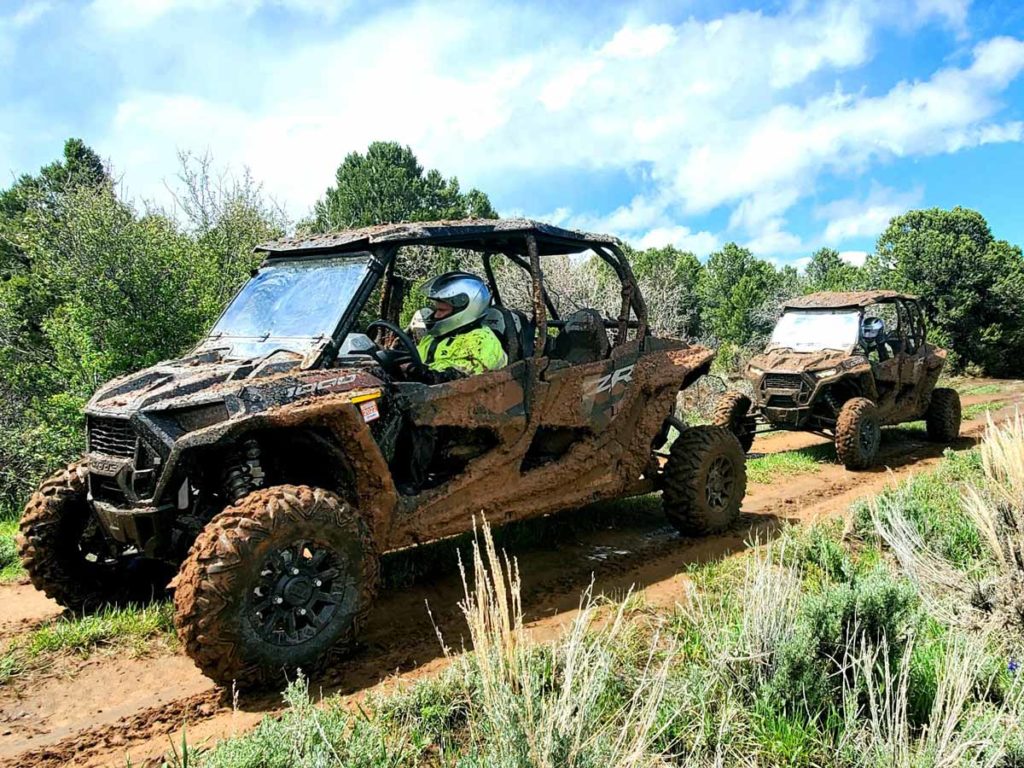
(845, 365)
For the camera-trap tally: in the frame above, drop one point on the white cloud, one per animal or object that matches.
(857, 218)
(135, 14)
(699, 243)
(639, 42)
(856, 258)
(720, 114)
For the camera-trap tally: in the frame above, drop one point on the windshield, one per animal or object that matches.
(287, 306)
(810, 331)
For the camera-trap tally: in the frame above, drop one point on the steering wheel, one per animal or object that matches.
(392, 359)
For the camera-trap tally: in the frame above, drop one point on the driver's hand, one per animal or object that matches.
(427, 376)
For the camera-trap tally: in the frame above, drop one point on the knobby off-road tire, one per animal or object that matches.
(732, 411)
(281, 580)
(64, 552)
(858, 433)
(943, 416)
(705, 480)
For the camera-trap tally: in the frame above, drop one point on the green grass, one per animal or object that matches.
(131, 628)
(980, 409)
(10, 565)
(932, 501)
(773, 466)
(966, 390)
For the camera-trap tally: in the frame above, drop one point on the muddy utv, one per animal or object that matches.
(845, 365)
(273, 465)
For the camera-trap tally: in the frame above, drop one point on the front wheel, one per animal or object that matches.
(705, 480)
(66, 554)
(858, 433)
(273, 584)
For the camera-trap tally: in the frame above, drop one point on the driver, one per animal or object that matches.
(872, 331)
(456, 343)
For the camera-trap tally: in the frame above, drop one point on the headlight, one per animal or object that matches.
(754, 370)
(826, 373)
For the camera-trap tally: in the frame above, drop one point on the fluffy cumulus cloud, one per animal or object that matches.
(853, 217)
(737, 116)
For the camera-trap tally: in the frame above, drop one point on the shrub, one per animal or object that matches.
(875, 609)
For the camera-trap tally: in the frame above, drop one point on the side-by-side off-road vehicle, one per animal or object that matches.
(844, 365)
(273, 465)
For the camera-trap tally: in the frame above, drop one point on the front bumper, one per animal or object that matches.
(140, 526)
(787, 418)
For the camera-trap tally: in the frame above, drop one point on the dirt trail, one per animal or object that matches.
(95, 712)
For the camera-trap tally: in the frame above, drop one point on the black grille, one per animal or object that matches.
(114, 437)
(783, 381)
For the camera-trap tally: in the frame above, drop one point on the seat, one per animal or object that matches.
(583, 339)
(514, 331)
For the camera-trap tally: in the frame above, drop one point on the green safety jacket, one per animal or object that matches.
(474, 351)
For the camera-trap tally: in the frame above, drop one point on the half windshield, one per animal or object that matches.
(291, 306)
(812, 331)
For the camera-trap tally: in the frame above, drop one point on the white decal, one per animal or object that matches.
(594, 387)
(326, 385)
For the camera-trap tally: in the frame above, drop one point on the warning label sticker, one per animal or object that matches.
(369, 410)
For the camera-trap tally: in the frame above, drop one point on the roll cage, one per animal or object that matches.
(522, 241)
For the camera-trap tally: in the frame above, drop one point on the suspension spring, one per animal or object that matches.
(245, 473)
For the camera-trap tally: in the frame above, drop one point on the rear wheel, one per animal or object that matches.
(705, 480)
(943, 416)
(858, 433)
(66, 554)
(275, 583)
(732, 411)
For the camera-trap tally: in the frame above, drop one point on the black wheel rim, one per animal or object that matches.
(870, 437)
(301, 588)
(718, 486)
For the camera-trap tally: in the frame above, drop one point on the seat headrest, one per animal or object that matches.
(494, 319)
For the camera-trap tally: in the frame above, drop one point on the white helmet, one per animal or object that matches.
(872, 329)
(465, 292)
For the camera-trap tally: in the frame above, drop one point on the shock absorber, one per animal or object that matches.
(829, 398)
(244, 474)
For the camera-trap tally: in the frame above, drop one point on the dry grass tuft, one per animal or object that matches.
(993, 594)
(556, 713)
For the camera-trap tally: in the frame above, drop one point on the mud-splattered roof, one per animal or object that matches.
(841, 300)
(498, 235)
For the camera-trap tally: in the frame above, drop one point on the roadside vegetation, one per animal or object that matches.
(896, 642)
(10, 566)
(138, 630)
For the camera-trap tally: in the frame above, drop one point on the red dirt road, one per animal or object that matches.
(99, 710)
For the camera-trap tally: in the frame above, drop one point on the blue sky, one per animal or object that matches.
(784, 126)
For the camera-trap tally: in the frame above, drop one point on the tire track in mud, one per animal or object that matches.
(400, 645)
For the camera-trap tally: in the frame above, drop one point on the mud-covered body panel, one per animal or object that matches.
(142, 426)
(619, 406)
